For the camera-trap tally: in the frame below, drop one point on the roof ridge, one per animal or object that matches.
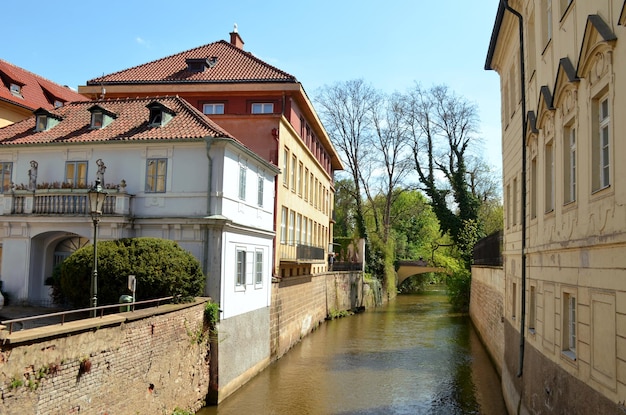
(38, 77)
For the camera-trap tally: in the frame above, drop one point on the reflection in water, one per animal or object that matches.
(410, 357)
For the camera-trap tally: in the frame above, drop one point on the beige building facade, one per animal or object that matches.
(563, 92)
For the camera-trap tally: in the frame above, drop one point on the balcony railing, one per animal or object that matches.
(488, 251)
(293, 251)
(60, 202)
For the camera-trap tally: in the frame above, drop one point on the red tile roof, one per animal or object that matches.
(37, 92)
(233, 65)
(131, 124)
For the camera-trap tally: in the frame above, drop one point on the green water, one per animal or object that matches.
(412, 356)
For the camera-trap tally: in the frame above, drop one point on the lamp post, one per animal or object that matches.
(96, 201)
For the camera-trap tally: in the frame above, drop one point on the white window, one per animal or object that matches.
(262, 108)
(240, 277)
(569, 325)
(569, 163)
(549, 176)
(292, 172)
(304, 231)
(16, 90)
(6, 173)
(258, 267)
(306, 184)
(603, 142)
(514, 204)
(546, 24)
(283, 226)
(57, 103)
(260, 186)
(97, 119)
(76, 173)
(300, 166)
(533, 188)
(242, 182)
(286, 167)
(41, 123)
(156, 170)
(291, 225)
(298, 228)
(532, 312)
(509, 203)
(211, 109)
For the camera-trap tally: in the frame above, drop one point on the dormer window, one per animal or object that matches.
(16, 90)
(45, 120)
(159, 114)
(101, 117)
(57, 103)
(199, 65)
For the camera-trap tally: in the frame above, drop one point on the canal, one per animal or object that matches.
(412, 356)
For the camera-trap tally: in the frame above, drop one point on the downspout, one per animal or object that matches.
(209, 142)
(523, 198)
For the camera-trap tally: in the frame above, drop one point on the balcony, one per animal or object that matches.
(297, 252)
(60, 202)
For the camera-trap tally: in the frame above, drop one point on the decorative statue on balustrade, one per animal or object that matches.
(32, 175)
(100, 173)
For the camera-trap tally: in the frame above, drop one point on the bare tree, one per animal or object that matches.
(442, 127)
(346, 110)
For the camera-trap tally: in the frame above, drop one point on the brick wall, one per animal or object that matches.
(301, 303)
(147, 365)
(487, 309)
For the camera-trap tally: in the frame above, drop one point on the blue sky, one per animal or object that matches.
(389, 44)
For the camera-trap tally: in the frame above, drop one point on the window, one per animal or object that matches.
(532, 45)
(569, 164)
(262, 108)
(283, 226)
(509, 202)
(601, 144)
(242, 182)
(6, 173)
(291, 224)
(97, 119)
(512, 91)
(569, 325)
(311, 188)
(41, 123)
(546, 24)
(260, 186)
(304, 231)
(514, 204)
(286, 166)
(292, 172)
(549, 176)
(306, 184)
(564, 5)
(258, 267)
(533, 188)
(240, 277)
(16, 90)
(214, 108)
(299, 186)
(76, 173)
(57, 103)
(532, 312)
(514, 301)
(298, 228)
(156, 170)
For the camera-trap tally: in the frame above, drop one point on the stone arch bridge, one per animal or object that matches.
(406, 269)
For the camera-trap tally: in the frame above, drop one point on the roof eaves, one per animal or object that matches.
(494, 36)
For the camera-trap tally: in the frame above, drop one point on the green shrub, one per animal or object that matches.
(160, 266)
(459, 285)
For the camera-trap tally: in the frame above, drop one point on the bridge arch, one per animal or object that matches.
(406, 269)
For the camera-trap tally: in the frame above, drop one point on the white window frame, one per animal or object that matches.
(569, 164)
(213, 108)
(258, 268)
(260, 190)
(41, 122)
(283, 225)
(285, 166)
(242, 181)
(549, 173)
(156, 181)
(97, 120)
(16, 90)
(76, 173)
(291, 227)
(240, 268)
(262, 108)
(604, 136)
(569, 339)
(292, 172)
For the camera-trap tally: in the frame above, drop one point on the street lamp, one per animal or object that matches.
(96, 201)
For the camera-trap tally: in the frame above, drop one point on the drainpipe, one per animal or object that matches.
(209, 142)
(523, 207)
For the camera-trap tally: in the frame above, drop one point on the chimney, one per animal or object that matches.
(235, 39)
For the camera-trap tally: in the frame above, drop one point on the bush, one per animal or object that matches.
(160, 266)
(459, 285)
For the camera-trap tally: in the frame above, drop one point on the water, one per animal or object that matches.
(412, 356)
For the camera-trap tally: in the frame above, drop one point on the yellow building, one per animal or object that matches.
(563, 92)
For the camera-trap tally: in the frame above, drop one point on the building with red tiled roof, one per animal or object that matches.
(168, 170)
(269, 111)
(22, 91)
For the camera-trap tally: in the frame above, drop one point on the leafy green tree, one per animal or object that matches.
(162, 268)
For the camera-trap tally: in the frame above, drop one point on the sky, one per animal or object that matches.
(389, 44)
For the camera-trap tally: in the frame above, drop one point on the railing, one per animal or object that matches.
(293, 251)
(488, 251)
(57, 201)
(99, 309)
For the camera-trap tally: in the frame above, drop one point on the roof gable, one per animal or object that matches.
(35, 91)
(221, 62)
(597, 34)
